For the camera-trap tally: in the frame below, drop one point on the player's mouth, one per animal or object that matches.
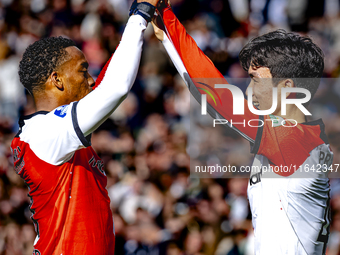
(256, 104)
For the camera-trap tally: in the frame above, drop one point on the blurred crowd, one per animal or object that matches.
(158, 207)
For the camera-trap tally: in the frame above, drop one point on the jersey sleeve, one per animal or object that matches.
(201, 75)
(115, 80)
(53, 136)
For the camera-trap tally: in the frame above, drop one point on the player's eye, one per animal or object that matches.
(85, 73)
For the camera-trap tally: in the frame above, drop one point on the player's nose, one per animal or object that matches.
(91, 81)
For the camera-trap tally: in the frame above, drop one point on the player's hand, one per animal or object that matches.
(158, 32)
(157, 20)
(165, 2)
(162, 4)
(153, 2)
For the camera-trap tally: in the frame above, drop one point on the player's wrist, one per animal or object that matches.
(144, 9)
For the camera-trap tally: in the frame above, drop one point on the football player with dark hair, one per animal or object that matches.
(52, 151)
(290, 209)
(40, 59)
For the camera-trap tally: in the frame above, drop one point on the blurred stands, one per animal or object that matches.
(157, 208)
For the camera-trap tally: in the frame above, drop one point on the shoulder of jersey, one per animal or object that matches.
(39, 121)
(50, 135)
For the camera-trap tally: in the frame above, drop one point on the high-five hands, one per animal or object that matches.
(144, 8)
(159, 32)
(163, 2)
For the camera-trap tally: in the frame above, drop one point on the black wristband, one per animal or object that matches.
(146, 10)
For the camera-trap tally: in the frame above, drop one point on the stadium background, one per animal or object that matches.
(157, 208)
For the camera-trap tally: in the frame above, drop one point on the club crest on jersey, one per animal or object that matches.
(61, 111)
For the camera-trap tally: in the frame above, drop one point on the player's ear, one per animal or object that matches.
(289, 83)
(57, 81)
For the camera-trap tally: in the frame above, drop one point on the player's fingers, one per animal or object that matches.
(158, 32)
(164, 2)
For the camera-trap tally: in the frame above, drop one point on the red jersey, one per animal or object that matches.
(67, 185)
(52, 153)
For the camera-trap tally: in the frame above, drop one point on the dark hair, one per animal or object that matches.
(287, 55)
(40, 59)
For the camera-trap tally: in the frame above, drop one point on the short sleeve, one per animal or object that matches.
(54, 136)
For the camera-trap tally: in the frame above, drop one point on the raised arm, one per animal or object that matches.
(116, 79)
(200, 74)
(118, 75)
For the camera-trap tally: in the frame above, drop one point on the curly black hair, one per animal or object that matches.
(40, 59)
(287, 55)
